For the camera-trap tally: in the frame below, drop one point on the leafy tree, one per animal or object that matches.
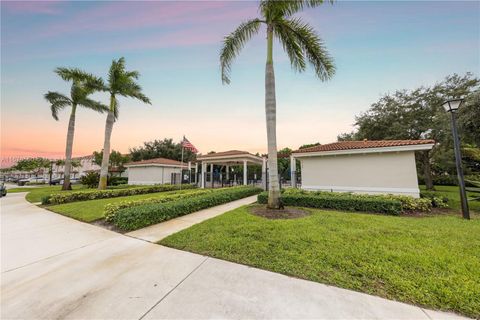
(32, 165)
(120, 83)
(469, 119)
(116, 159)
(82, 87)
(301, 43)
(417, 114)
(309, 145)
(165, 148)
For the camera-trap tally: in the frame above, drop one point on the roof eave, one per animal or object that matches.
(415, 147)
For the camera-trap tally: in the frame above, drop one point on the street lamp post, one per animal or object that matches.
(452, 106)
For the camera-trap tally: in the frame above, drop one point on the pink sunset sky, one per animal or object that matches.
(378, 46)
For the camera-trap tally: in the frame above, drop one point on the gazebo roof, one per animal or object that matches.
(231, 156)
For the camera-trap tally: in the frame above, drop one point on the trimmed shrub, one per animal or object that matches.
(90, 180)
(59, 198)
(112, 208)
(387, 204)
(436, 200)
(338, 201)
(145, 215)
(451, 180)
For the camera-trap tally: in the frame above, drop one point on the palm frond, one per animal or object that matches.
(57, 102)
(290, 44)
(275, 9)
(117, 70)
(233, 44)
(312, 47)
(75, 74)
(93, 105)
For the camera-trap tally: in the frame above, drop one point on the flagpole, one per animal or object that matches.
(181, 168)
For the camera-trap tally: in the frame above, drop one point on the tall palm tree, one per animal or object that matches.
(120, 82)
(301, 43)
(82, 86)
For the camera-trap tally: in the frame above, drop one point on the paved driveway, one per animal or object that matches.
(56, 267)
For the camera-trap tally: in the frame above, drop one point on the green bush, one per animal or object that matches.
(115, 181)
(451, 180)
(145, 215)
(346, 202)
(112, 208)
(436, 200)
(90, 180)
(388, 204)
(59, 198)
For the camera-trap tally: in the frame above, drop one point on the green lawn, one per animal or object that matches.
(92, 210)
(452, 192)
(432, 261)
(35, 194)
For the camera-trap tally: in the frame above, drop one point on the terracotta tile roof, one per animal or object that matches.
(365, 144)
(224, 153)
(164, 161)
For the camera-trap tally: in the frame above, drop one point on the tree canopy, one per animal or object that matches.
(418, 114)
(165, 148)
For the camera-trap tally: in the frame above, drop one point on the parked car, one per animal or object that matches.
(22, 182)
(3, 190)
(56, 181)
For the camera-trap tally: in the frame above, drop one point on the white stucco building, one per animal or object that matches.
(154, 171)
(373, 167)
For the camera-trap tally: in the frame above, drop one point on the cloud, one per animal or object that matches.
(32, 7)
(129, 15)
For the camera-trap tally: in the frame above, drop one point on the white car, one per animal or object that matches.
(33, 180)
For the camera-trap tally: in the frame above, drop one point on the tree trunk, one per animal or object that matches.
(102, 184)
(427, 171)
(68, 150)
(270, 112)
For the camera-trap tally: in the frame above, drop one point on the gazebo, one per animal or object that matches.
(227, 159)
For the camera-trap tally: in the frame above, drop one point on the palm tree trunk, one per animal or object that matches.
(270, 112)
(68, 150)
(102, 184)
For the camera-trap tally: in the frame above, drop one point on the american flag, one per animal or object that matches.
(188, 145)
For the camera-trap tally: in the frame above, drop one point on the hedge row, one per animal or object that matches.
(387, 204)
(111, 209)
(59, 198)
(345, 202)
(145, 215)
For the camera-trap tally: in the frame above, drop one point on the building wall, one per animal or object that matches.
(151, 174)
(374, 173)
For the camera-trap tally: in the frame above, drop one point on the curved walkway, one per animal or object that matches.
(57, 267)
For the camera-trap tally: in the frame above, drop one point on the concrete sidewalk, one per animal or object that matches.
(56, 267)
(162, 230)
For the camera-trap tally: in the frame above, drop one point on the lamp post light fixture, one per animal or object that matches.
(452, 106)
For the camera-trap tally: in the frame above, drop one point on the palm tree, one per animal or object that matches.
(120, 82)
(301, 43)
(82, 86)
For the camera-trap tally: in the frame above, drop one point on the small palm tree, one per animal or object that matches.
(82, 86)
(301, 43)
(120, 82)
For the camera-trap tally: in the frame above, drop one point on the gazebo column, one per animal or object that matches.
(227, 172)
(293, 172)
(264, 173)
(204, 175)
(196, 173)
(245, 172)
(211, 173)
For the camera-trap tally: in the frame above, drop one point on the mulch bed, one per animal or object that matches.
(286, 213)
